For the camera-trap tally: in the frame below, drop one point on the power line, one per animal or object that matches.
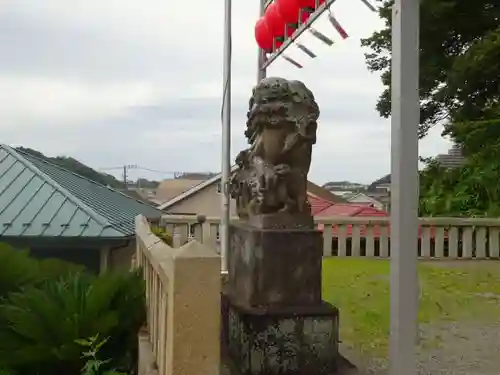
(125, 168)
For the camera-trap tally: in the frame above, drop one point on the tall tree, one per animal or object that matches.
(459, 55)
(473, 188)
(460, 88)
(75, 166)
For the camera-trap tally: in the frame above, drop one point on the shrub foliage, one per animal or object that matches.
(47, 306)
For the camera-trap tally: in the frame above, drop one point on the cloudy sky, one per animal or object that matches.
(113, 82)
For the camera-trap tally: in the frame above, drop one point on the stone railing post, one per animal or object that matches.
(194, 311)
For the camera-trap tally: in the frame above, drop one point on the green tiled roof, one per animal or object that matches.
(40, 199)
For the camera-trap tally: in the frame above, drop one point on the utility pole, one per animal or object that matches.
(126, 167)
(125, 176)
(261, 72)
(226, 135)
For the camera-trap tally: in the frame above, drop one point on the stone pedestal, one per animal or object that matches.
(273, 319)
(289, 341)
(274, 266)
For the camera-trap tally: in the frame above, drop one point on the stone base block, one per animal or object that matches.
(291, 341)
(274, 266)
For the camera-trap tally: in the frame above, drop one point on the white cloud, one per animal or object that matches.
(128, 81)
(61, 102)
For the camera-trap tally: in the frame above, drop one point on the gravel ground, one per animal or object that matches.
(451, 349)
(445, 349)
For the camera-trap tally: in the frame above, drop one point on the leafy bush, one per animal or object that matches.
(163, 235)
(94, 365)
(18, 270)
(52, 269)
(40, 325)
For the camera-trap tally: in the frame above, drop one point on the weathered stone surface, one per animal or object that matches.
(274, 267)
(281, 130)
(273, 319)
(282, 220)
(263, 341)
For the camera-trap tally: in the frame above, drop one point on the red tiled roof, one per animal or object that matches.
(342, 209)
(346, 209)
(318, 204)
(363, 211)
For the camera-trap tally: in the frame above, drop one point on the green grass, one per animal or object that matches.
(360, 289)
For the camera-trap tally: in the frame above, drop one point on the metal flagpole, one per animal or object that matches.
(404, 187)
(226, 137)
(261, 72)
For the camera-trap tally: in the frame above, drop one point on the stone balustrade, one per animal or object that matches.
(439, 237)
(183, 288)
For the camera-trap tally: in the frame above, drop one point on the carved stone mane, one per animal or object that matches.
(271, 183)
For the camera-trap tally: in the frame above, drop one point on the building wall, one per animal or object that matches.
(121, 258)
(206, 202)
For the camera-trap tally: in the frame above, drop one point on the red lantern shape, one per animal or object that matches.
(289, 10)
(276, 24)
(263, 36)
(309, 3)
(304, 17)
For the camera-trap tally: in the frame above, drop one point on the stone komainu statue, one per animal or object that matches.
(281, 129)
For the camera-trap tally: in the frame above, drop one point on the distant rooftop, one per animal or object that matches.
(452, 159)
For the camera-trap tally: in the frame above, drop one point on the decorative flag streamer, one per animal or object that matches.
(292, 61)
(306, 50)
(321, 36)
(370, 6)
(337, 26)
(283, 21)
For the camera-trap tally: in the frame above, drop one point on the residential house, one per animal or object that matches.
(59, 214)
(173, 187)
(146, 193)
(347, 209)
(383, 184)
(343, 185)
(351, 209)
(452, 159)
(137, 195)
(365, 199)
(380, 189)
(205, 198)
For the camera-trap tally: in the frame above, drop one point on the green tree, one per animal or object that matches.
(473, 188)
(77, 167)
(459, 55)
(459, 87)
